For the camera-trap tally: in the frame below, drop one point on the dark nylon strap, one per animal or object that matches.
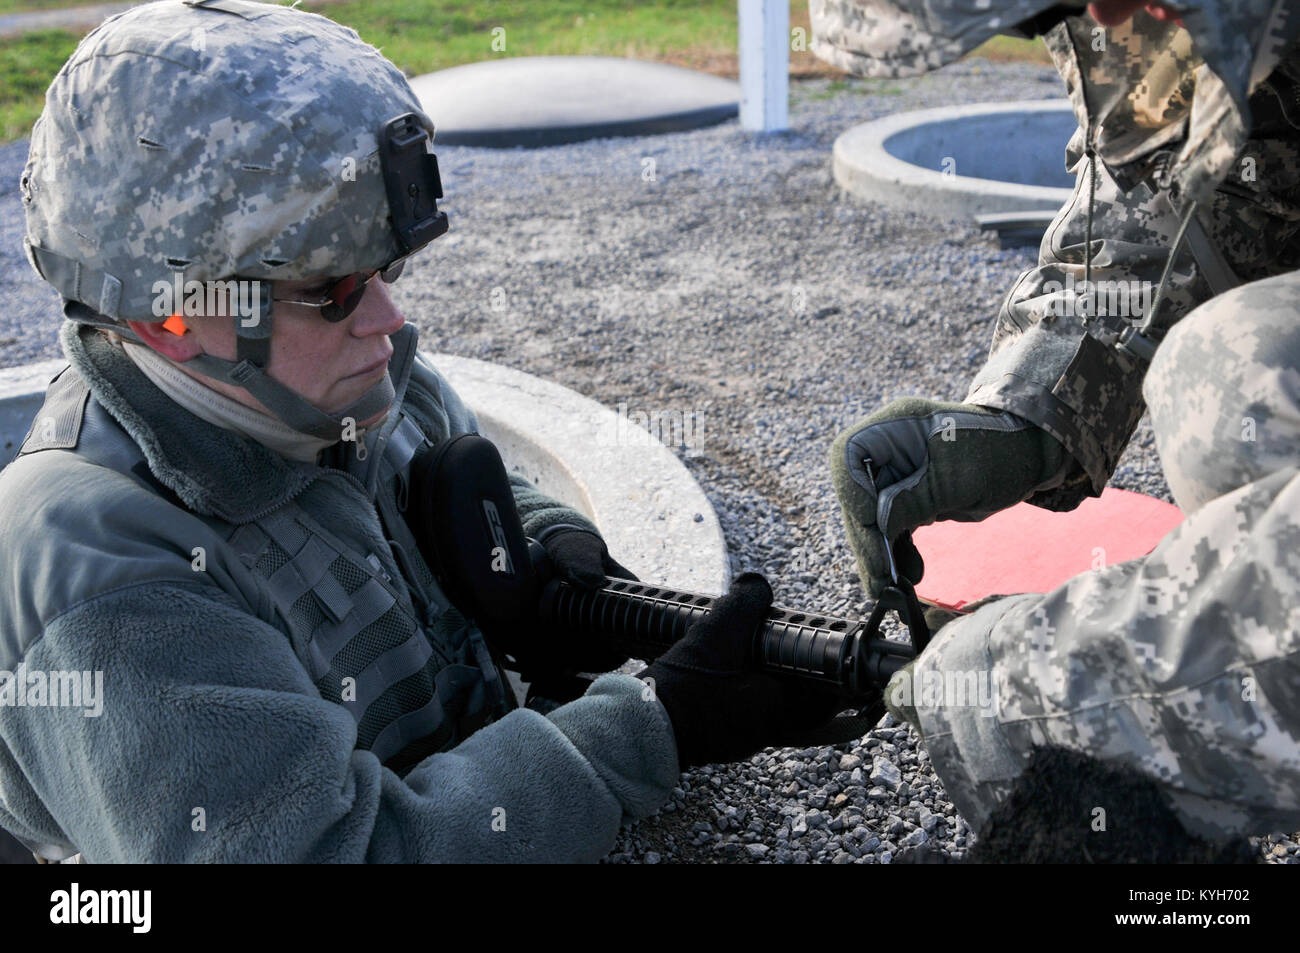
(332, 597)
(295, 411)
(391, 667)
(404, 343)
(282, 527)
(253, 343)
(1215, 269)
(369, 603)
(492, 676)
(308, 571)
(461, 683)
(414, 725)
(406, 440)
(250, 543)
(92, 287)
(57, 425)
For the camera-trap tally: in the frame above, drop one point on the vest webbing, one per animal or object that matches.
(415, 684)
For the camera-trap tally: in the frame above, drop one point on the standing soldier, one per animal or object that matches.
(1183, 666)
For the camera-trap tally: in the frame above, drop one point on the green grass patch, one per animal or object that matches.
(21, 6)
(425, 35)
(27, 64)
(1011, 49)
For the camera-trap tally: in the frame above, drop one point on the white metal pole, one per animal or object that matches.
(764, 64)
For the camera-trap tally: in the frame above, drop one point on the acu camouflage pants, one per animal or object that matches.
(1185, 664)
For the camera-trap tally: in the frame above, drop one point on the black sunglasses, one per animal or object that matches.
(343, 296)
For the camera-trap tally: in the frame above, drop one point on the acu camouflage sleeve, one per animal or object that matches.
(1048, 362)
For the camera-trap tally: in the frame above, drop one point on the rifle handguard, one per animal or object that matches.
(846, 657)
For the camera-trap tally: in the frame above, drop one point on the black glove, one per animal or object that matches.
(580, 557)
(721, 706)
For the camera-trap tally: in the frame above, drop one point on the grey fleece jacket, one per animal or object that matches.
(213, 743)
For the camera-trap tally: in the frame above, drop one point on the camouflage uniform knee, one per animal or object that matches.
(1224, 391)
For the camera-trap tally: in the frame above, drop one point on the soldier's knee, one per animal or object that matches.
(1254, 327)
(1224, 390)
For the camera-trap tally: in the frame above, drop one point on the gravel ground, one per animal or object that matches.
(722, 273)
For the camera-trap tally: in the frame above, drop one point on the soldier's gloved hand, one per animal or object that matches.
(916, 461)
(580, 557)
(721, 706)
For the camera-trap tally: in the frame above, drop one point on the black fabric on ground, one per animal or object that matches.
(1049, 817)
(12, 852)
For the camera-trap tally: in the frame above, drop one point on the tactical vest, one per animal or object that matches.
(415, 676)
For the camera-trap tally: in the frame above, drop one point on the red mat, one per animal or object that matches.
(1029, 549)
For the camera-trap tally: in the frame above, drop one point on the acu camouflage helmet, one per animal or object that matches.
(211, 139)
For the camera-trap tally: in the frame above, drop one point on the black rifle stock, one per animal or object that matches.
(473, 541)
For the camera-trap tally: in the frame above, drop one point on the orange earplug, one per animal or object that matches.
(175, 325)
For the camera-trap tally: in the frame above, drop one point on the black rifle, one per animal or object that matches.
(463, 511)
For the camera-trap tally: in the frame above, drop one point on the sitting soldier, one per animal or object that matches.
(210, 507)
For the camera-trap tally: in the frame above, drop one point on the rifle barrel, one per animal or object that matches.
(833, 653)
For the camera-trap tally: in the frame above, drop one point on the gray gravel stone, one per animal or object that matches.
(886, 774)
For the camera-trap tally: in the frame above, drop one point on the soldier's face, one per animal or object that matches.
(1113, 12)
(330, 364)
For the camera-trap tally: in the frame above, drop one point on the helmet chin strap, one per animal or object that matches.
(253, 353)
(291, 408)
(247, 371)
